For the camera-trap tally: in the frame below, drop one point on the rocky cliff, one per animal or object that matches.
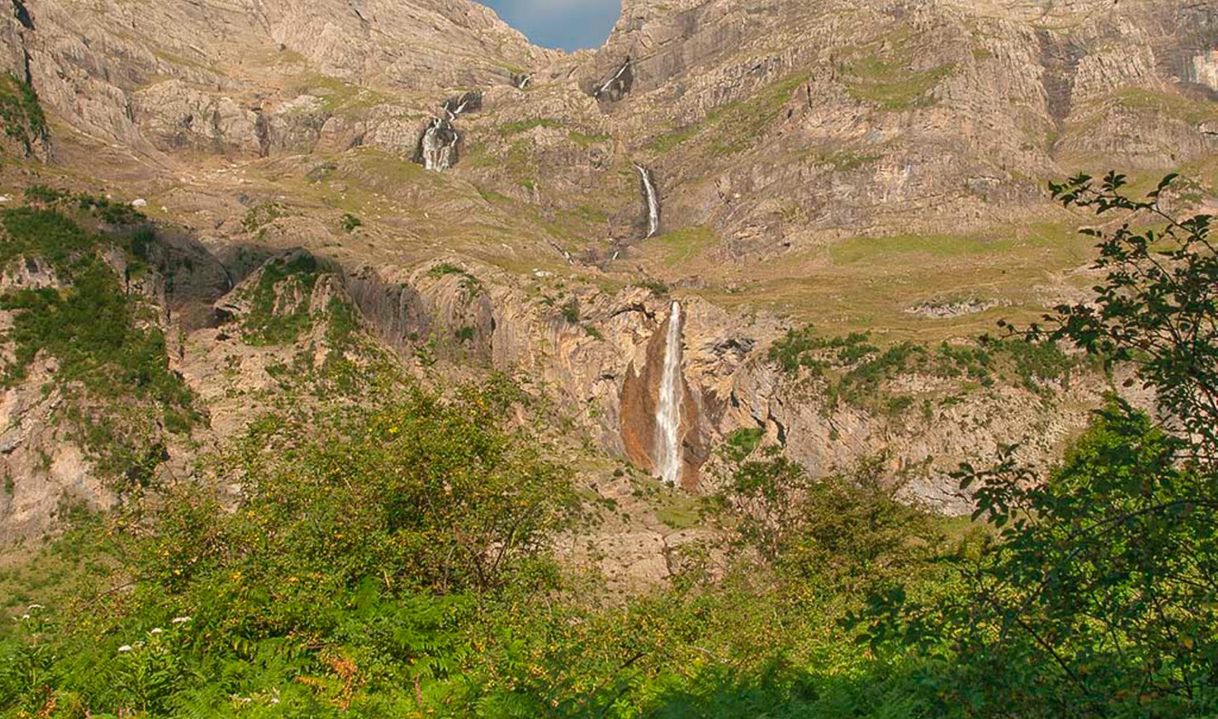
(872, 166)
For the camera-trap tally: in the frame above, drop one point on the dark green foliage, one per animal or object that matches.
(44, 194)
(108, 354)
(1158, 305)
(741, 443)
(1100, 595)
(109, 211)
(347, 579)
(20, 113)
(445, 268)
(350, 222)
(45, 234)
(656, 287)
(847, 530)
(855, 371)
(469, 283)
(261, 215)
(570, 310)
(280, 301)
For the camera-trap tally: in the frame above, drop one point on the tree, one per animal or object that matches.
(1099, 595)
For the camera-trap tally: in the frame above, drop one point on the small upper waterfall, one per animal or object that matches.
(618, 85)
(668, 409)
(653, 201)
(438, 146)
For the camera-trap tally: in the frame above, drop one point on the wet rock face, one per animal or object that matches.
(437, 149)
(617, 85)
(437, 146)
(461, 104)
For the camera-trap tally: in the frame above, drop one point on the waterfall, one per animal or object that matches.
(618, 86)
(438, 146)
(653, 201)
(668, 409)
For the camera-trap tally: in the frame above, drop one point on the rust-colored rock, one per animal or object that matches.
(640, 397)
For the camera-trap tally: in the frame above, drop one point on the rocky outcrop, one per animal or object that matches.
(167, 77)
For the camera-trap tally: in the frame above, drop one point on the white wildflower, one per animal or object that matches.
(124, 649)
(180, 620)
(156, 630)
(24, 617)
(32, 607)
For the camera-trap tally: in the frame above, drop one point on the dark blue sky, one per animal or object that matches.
(568, 24)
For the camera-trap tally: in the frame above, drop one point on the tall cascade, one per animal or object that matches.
(668, 409)
(653, 201)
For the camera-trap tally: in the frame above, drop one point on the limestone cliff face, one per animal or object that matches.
(870, 115)
(249, 78)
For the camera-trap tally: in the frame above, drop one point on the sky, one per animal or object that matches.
(567, 24)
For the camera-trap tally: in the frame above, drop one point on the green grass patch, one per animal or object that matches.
(743, 442)
(884, 74)
(1172, 104)
(515, 128)
(685, 244)
(736, 126)
(861, 250)
(339, 96)
(20, 112)
(585, 139)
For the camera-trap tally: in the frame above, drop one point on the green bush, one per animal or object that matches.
(20, 112)
(112, 362)
(279, 311)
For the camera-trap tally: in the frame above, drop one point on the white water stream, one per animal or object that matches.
(668, 409)
(653, 201)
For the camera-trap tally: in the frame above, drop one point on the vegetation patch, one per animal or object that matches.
(885, 75)
(685, 244)
(112, 364)
(584, 139)
(1192, 111)
(20, 113)
(339, 96)
(855, 371)
(743, 442)
(262, 214)
(515, 128)
(472, 285)
(736, 126)
(279, 311)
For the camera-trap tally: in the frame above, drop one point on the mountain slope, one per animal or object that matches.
(869, 166)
